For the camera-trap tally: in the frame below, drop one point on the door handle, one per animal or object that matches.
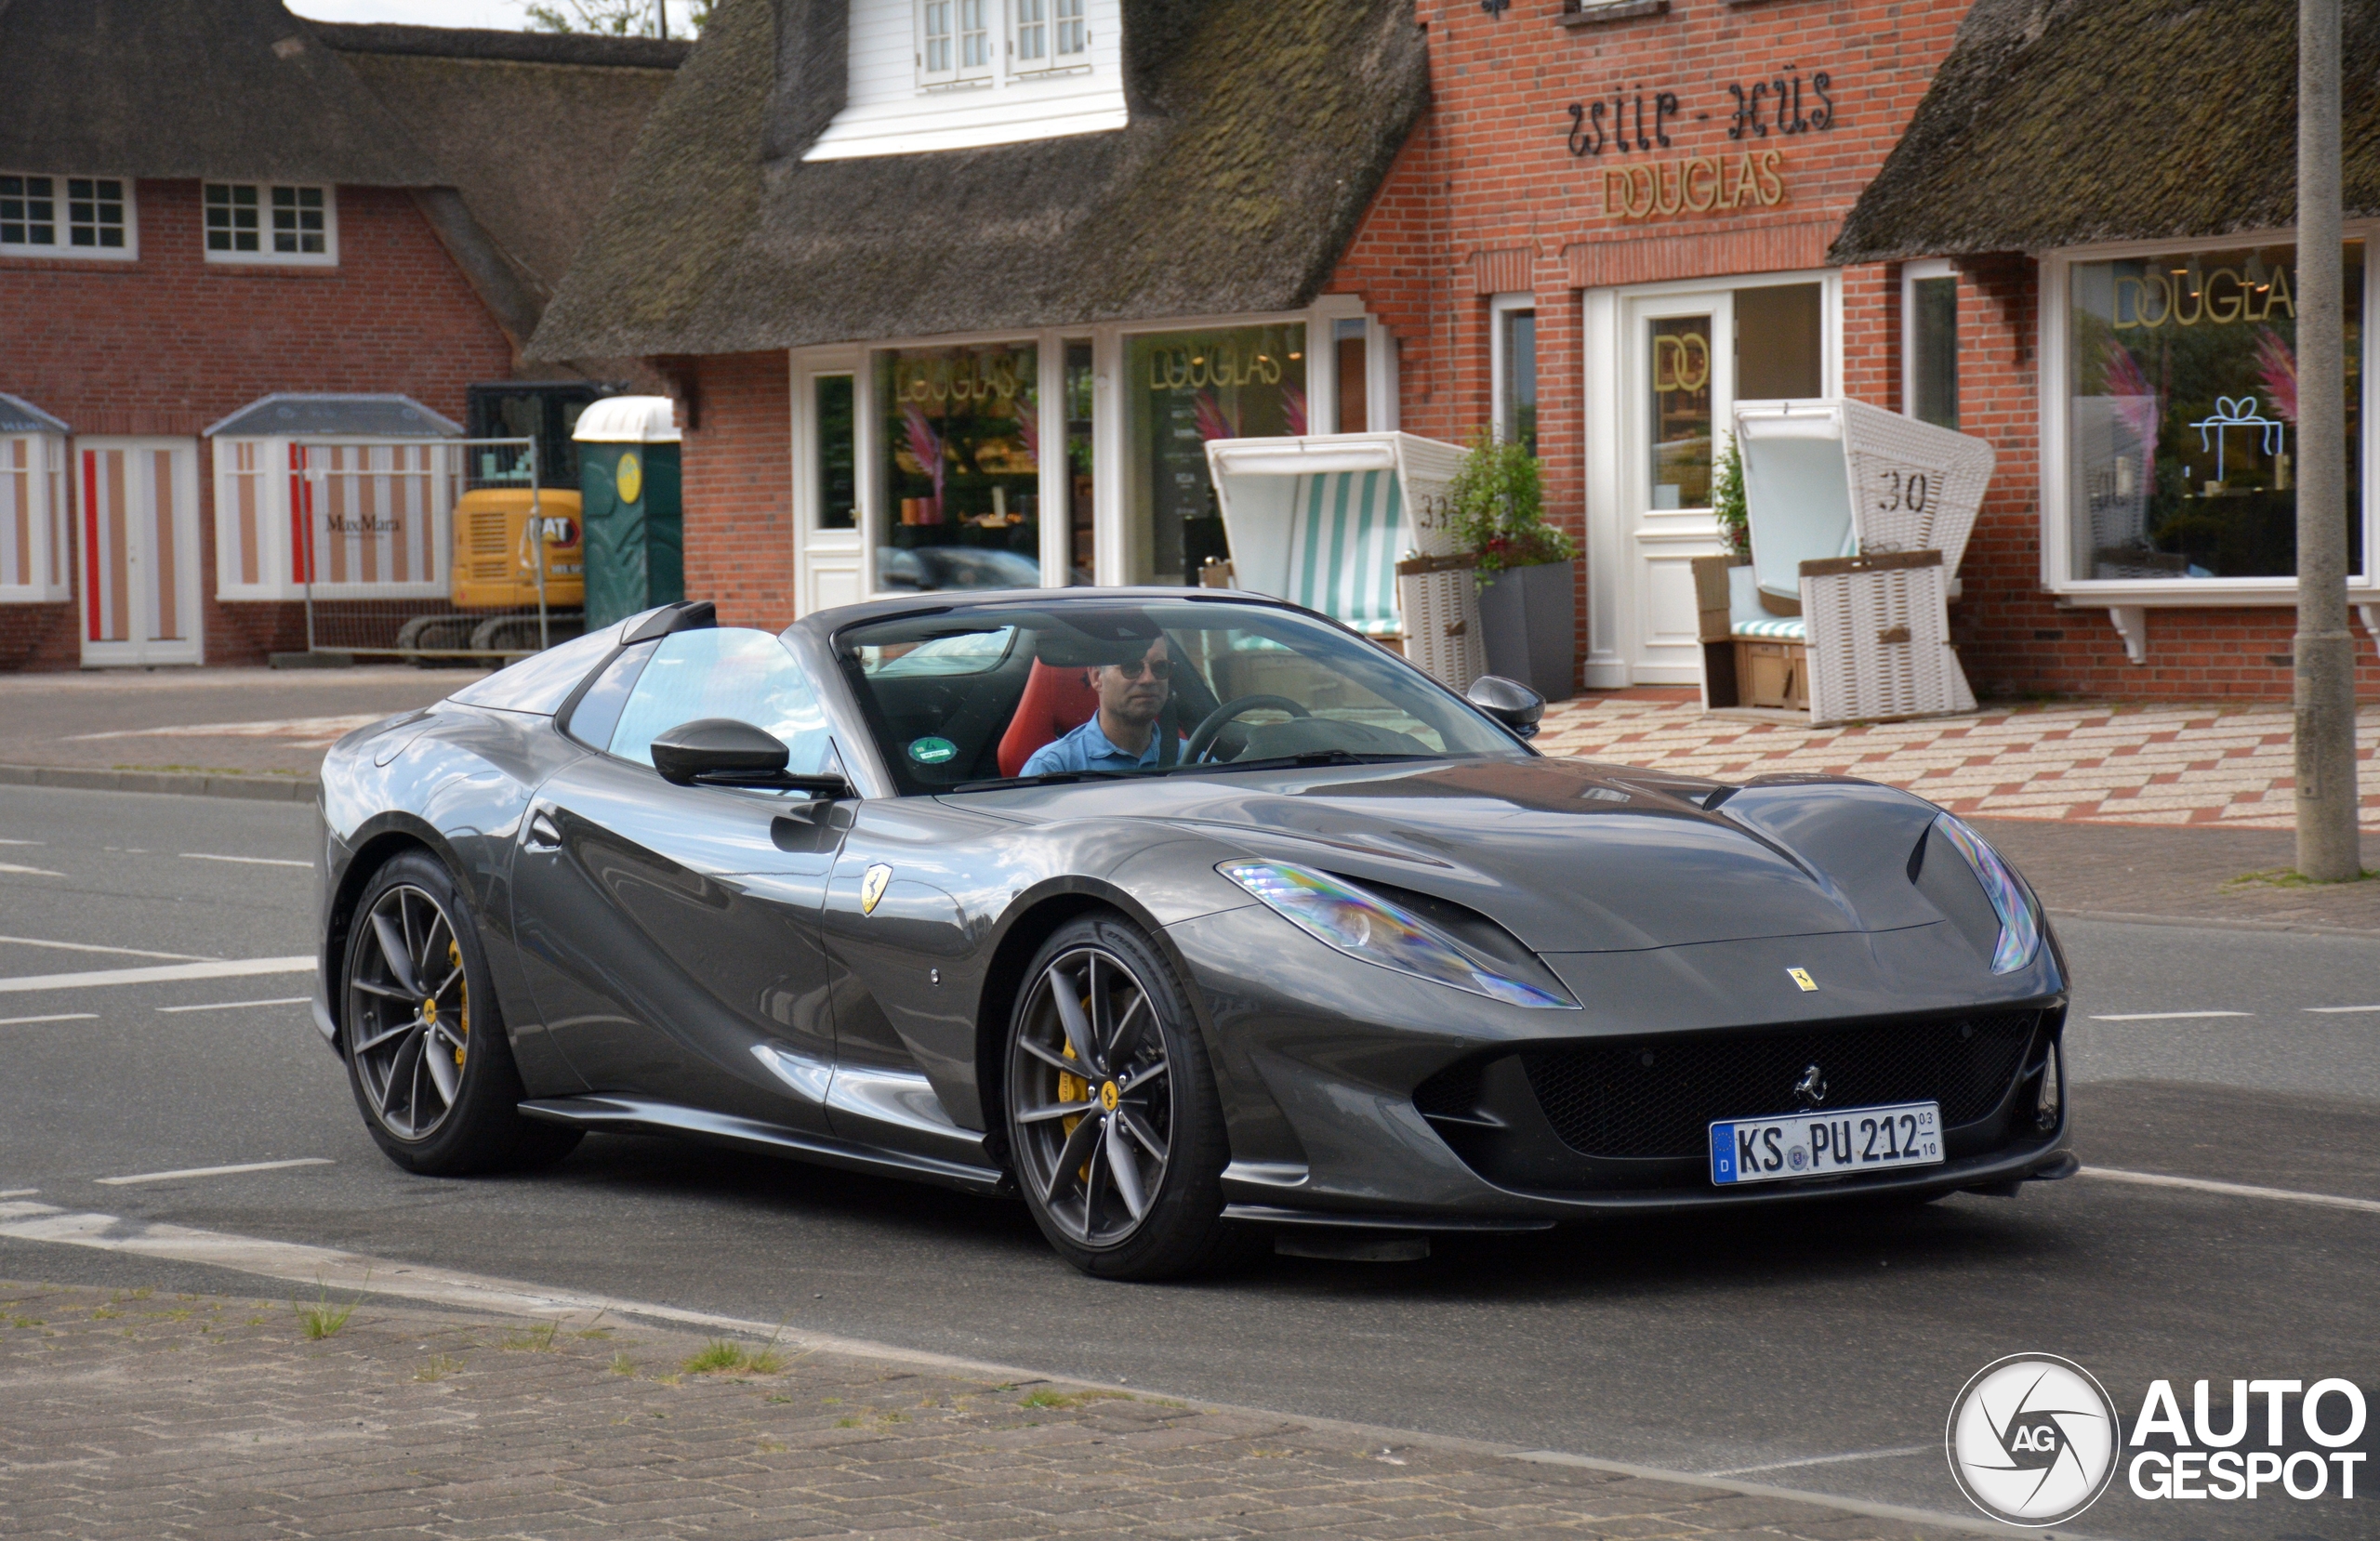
(543, 833)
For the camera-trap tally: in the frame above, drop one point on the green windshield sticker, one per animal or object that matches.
(931, 751)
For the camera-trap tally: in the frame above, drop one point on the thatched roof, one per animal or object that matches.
(530, 128)
(238, 89)
(2058, 123)
(1259, 130)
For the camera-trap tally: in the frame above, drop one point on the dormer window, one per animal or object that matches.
(1032, 33)
(954, 41)
(1051, 34)
(1074, 34)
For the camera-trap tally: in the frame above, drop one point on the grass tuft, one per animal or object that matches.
(1078, 1399)
(438, 1367)
(317, 1321)
(539, 1339)
(2289, 878)
(623, 1365)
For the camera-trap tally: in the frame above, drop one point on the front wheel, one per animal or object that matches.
(1113, 1121)
(426, 1052)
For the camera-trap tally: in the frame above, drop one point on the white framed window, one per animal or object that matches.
(35, 559)
(271, 222)
(954, 41)
(71, 216)
(1074, 32)
(1929, 343)
(1512, 341)
(1030, 44)
(2169, 420)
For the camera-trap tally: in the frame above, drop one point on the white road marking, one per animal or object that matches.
(212, 1171)
(324, 727)
(2167, 1016)
(1827, 1460)
(60, 1017)
(223, 969)
(233, 1005)
(252, 860)
(2328, 1011)
(17, 1193)
(94, 947)
(28, 872)
(2233, 1189)
(19, 842)
(327, 1269)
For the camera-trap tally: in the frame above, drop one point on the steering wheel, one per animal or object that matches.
(1202, 737)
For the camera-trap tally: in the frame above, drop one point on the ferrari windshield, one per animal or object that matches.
(992, 695)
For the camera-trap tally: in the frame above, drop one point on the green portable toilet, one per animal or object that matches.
(635, 518)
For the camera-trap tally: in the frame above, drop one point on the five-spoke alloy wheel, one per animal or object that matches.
(1113, 1122)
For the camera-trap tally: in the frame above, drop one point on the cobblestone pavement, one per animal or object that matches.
(2129, 764)
(133, 1413)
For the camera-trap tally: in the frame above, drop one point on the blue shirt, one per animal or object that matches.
(1088, 749)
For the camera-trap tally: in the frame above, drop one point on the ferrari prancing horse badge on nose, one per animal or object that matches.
(871, 887)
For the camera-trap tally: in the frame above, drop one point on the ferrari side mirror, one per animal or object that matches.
(720, 751)
(1509, 702)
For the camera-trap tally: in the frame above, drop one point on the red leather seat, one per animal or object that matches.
(1056, 701)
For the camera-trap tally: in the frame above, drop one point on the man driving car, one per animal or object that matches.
(1122, 734)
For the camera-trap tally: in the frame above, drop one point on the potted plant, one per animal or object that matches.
(1527, 568)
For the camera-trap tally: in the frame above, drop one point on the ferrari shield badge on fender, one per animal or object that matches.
(1799, 976)
(871, 888)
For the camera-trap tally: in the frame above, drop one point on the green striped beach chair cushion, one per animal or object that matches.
(1779, 629)
(1344, 538)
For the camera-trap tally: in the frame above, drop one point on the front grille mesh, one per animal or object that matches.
(1657, 1098)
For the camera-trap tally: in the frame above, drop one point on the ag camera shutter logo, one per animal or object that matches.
(2032, 1440)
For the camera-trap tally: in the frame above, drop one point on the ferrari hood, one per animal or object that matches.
(1568, 855)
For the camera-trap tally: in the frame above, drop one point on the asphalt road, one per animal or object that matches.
(1813, 1352)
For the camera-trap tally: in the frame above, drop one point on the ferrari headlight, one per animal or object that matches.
(1364, 926)
(2020, 930)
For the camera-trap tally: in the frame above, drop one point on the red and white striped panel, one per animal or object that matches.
(373, 512)
(132, 578)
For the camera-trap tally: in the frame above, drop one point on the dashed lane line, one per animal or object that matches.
(233, 1005)
(329, 1269)
(212, 1171)
(2233, 1189)
(53, 1017)
(28, 872)
(2166, 1015)
(2332, 1010)
(251, 860)
(94, 947)
(100, 978)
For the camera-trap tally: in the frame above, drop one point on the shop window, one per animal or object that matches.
(961, 469)
(65, 217)
(1515, 368)
(1082, 540)
(1181, 389)
(1354, 381)
(838, 467)
(264, 222)
(1680, 350)
(2181, 412)
(1780, 342)
(1929, 300)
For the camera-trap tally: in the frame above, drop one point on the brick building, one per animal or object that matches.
(1590, 224)
(206, 205)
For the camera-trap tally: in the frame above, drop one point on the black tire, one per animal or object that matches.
(401, 1029)
(1153, 1080)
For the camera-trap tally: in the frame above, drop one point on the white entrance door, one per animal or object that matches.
(138, 509)
(1677, 370)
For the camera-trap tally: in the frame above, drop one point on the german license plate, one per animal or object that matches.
(1826, 1144)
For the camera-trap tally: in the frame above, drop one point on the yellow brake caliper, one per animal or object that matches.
(1075, 1089)
(463, 1011)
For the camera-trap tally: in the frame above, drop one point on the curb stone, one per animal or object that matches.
(188, 784)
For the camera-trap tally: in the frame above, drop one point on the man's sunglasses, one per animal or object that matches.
(1158, 668)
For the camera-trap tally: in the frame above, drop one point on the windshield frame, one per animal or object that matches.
(832, 636)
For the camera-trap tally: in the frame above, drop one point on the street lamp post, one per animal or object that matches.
(2327, 793)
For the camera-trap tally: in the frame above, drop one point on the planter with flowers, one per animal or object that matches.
(1527, 568)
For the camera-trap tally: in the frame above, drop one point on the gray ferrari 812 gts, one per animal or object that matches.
(1178, 913)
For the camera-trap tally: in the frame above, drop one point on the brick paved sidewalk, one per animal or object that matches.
(154, 1416)
(247, 721)
(2166, 765)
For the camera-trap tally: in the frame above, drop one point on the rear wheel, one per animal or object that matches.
(426, 1052)
(1114, 1123)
